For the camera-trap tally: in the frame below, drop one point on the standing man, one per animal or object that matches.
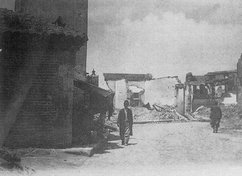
(215, 117)
(125, 123)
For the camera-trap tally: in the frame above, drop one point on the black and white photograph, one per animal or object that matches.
(121, 87)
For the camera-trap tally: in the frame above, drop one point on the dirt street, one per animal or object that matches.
(163, 149)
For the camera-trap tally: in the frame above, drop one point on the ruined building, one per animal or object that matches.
(204, 90)
(239, 99)
(127, 86)
(43, 50)
(142, 89)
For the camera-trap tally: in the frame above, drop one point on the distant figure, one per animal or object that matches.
(215, 117)
(125, 123)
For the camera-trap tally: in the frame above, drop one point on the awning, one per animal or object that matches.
(92, 88)
(101, 100)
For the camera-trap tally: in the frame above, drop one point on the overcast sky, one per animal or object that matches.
(164, 37)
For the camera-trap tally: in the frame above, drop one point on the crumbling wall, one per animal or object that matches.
(141, 85)
(160, 91)
(188, 98)
(239, 91)
(180, 101)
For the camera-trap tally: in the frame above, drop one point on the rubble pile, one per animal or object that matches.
(231, 119)
(157, 113)
(230, 111)
(202, 113)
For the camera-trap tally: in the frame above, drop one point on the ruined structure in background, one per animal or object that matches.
(180, 98)
(239, 98)
(127, 86)
(161, 91)
(204, 90)
(142, 89)
(38, 59)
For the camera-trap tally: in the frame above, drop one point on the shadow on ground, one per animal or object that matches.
(230, 131)
(112, 146)
(113, 137)
(10, 166)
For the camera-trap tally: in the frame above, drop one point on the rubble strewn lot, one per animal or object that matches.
(157, 113)
(229, 112)
(230, 118)
(202, 113)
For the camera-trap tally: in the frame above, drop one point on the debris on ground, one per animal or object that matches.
(158, 113)
(9, 156)
(12, 159)
(228, 112)
(148, 106)
(202, 113)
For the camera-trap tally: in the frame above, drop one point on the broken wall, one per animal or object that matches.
(160, 91)
(180, 101)
(239, 91)
(140, 85)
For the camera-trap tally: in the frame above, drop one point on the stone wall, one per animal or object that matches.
(74, 14)
(44, 115)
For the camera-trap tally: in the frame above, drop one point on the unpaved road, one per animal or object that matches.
(161, 149)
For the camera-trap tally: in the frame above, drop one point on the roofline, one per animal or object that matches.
(127, 76)
(221, 72)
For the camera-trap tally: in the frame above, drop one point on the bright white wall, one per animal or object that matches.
(160, 91)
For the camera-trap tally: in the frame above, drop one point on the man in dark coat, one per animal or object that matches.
(125, 123)
(215, 117)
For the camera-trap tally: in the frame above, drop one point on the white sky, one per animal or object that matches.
(164, 37)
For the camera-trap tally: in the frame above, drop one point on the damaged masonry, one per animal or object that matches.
(47, 100)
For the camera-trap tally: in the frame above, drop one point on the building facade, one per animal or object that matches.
(127, 86)
(43, 49)
(204, 90)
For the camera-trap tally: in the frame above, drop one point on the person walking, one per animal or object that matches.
(215, 117)
(125, 123)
